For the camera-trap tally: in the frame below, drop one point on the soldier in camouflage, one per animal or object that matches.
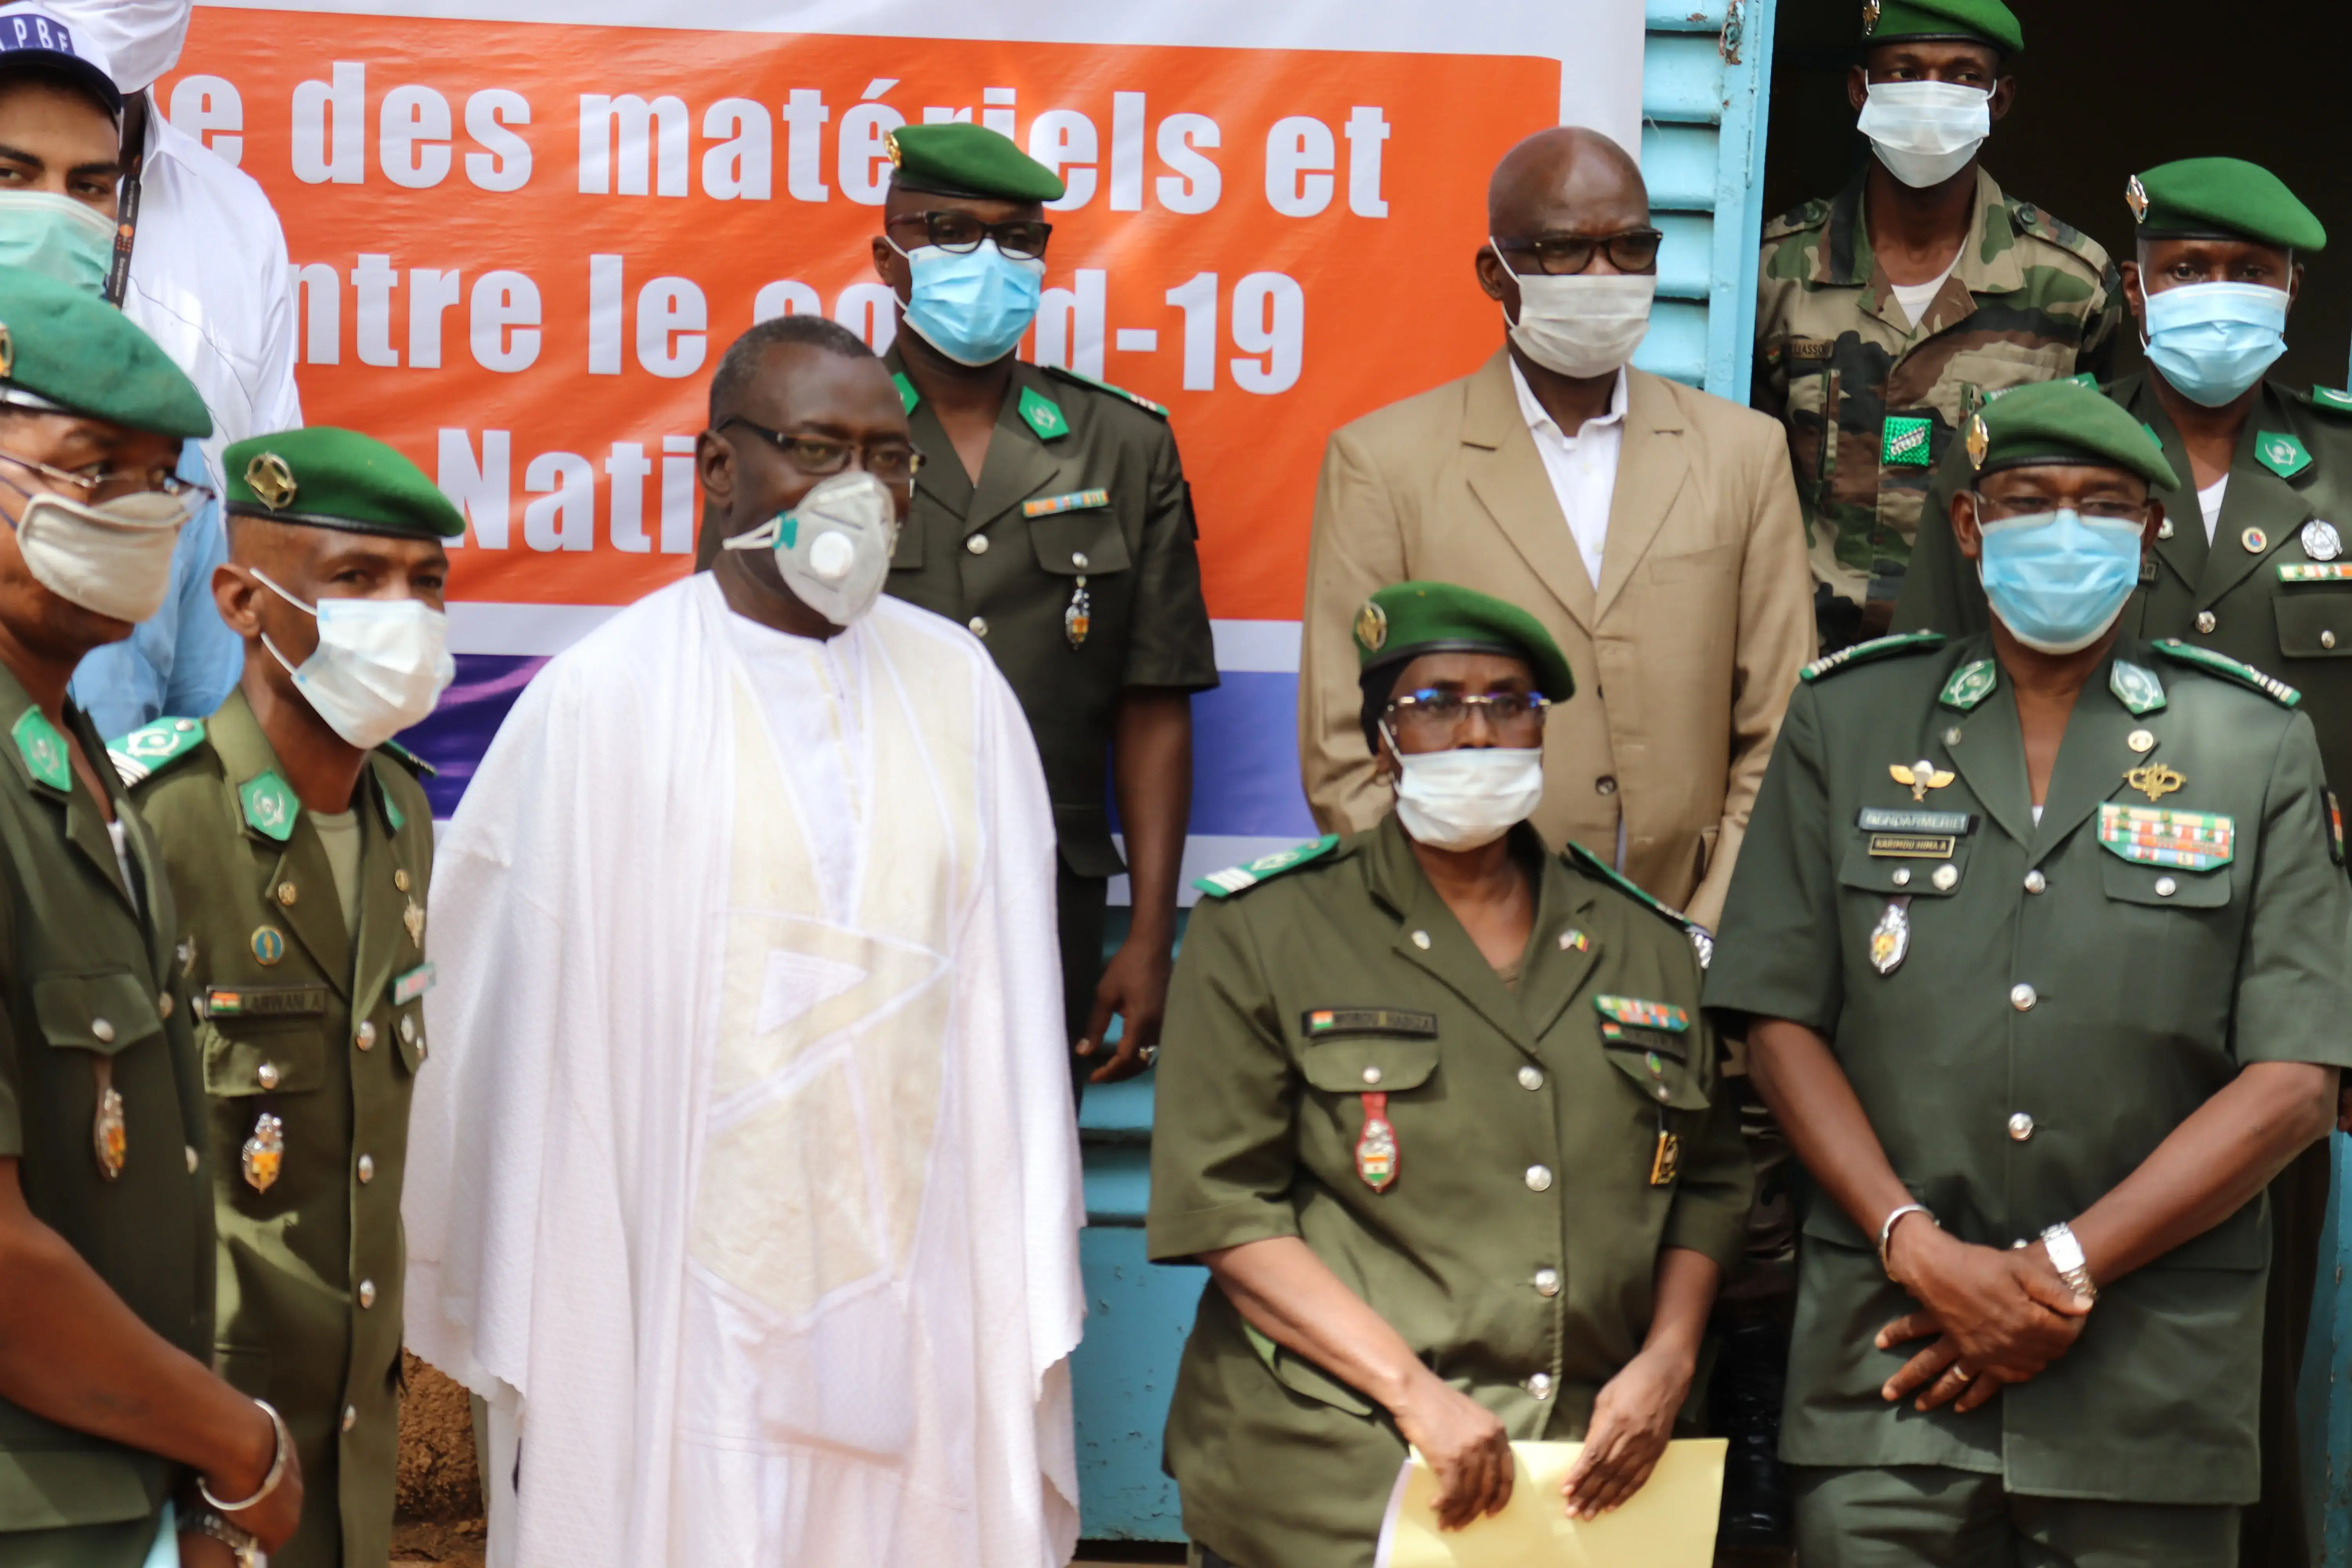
(1886, 315)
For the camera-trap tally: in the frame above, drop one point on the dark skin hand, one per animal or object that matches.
(312, 564)
(1563, 182)
(1916, 233)
(55, 140)
(2211, 435)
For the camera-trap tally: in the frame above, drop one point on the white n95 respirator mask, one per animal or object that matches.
(834, 549)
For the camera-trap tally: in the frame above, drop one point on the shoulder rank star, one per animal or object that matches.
(1921, 776)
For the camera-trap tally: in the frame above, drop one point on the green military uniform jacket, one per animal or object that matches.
(1516, 1248)
(1871, 399)
(301, 1021)
(2062, 996)
(1082, 502)
(91, 998)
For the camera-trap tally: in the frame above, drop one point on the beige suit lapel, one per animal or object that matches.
(1506, 474)
(1651, 468)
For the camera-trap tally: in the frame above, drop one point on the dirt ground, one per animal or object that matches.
(439, 1519)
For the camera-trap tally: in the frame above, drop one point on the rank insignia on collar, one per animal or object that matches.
(1890, 939)
(271, 480)
(2279, 453)
(1042, 414)
(1921, 776)
(1980, 441)
(265, 1152)
(269, 806)
(2185, 840)
(2155, 780)
(2136, 198)
(44, 750)
(2136, 688)
(1970, 684)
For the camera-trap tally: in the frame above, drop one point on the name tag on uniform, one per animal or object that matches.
(1326, 1023)
(1076, 500)
(264, 1001)
(1914, 846)
(413, 984)
(1811, 348)
(1881, 819)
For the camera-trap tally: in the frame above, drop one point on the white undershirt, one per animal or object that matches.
(122, 839)
(1582, 468)
(812, 692)
(1915, 297)
(2209, 501)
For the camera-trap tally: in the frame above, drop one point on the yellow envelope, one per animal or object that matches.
(1669, 1524)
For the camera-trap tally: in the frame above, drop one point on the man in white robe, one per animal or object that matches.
(744, 1184)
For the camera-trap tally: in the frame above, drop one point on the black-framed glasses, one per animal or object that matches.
(958, 232)
(1507, 711)
(95, 484)
(821, 457)
(1565, 255)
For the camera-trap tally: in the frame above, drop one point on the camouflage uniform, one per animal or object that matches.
(2030, 299)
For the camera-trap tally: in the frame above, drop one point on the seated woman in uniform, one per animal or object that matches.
(1439, 1112)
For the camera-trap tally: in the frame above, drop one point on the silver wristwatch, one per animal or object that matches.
(2066, 1256)
(205, 1521)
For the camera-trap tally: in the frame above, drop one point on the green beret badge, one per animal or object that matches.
(1371, 626)
(2136, 198)
(890, 146)
(1980, 441)
(272, 481)
(1869, 18)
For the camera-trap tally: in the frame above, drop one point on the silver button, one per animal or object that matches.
(267, 1074)
(2164, 529)
(184, 725)
(2020, 1127)
(408, 1027)
(367, 1293)
(2204, 620)
(979, 625)
(2035, 881)
(351, 1417)
(1662, 1091)
(1531, 1077)
(1546, 1282)
(193, 1158)
(977, 544)
(2166, 886)
(367, 1169)
(101, 1031)
(1902, 877)
(1540, 1386)
(1952, 736)
(1605, 785)
(364, 1036)
(1420, 939)
(2327, 639)
(163, 1003)
(1946, 877)
(2022, 997)
(1539, 1178)
(1078, 559)
(1371, 1075)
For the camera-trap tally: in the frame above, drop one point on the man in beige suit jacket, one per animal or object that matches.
(1688, 638)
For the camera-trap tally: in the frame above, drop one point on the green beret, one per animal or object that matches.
(327, 478)
(1405, 620)
(2225, 196)
(1975, 21)
(2068, 421)
(958, 160)
(63, 349)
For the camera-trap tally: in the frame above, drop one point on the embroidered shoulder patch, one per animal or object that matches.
(2246, 675)
(1234, 879)
(2137, 689)
(2334, 402)
(2155, 835)
(1643, 1014)
(1970, 684)
(44, 750)
(149, 749)
(409, 760)
(1864, 652)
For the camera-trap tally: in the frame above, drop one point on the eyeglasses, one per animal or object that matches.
(2124, 512)
(820, 457)
(96, 483)
(959, 232)
(1564, 255)
(1511, 712)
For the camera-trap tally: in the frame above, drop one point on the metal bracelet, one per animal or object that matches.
(1886, 1232)
(276, 1466)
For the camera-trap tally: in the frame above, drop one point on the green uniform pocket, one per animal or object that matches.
(1079, 544)
(102, 1013)
(2314, 623)
(260, 1056)
(1362, 1064)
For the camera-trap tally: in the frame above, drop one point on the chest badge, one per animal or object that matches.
(1666, 1163)
(268, 945)
(2185, 840)
(2255, 541)
(109, 1134)
(265, 1152)
(1077, 619)
(2155, 780)
(1376, 1148)
(1890, 939)
(413, 917)
(2321, 542)
(1921, 776)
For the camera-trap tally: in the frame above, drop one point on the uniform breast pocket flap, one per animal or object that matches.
(2314, 623)
(1080, 542)
(1656, 1047)
(264, 1040)
(103, 1012)
(1362, 1050)
(2161, 888)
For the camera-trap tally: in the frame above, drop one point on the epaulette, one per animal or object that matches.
(1089, 382)
(1864, 652)
(409, 760)
(2038, 222)
(1797, 219)
(149, 749)
(2329, 400)
(2222, 664)
(1234, 879)
(1586, 860)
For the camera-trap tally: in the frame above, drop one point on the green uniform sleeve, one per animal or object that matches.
(1717, 1183)
(1776, 956)
(1223, 1139)
(1940, 590)
(1169, 642)
(2293, 989)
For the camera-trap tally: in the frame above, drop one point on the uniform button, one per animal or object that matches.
(2164, 529)
(1605, 785)
(1078, 559)
(1902, 877)
(2204, 620)
(1420, 939)
(2022, 996)
(1540, 1386)
(2035, 881)
(101, 1031)
(408, 1027)
(285, 893)
(977, 544)
(367, 1293)
(1546, 1282)
(2166, 886)
(2327, 639)
(351, 1417)
(1531, 1077)
(1539, 1178)
(979, 625)
(1946, 878)
(2020, 1127)
(193, 1158)
(1662, 1093)
(1371, 1075)
(1952, 736)
(367, 1169)
(399, 879)
(364, 1036)
(163, 1003)
(267, 1074)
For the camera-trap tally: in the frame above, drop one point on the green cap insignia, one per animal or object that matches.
(2137, 689)
(1970, 684)
(2280, 454)
(145, 751)
(270, 808)
(907, 395)
(2277, 690)
(1042, 414)
(44, 750)
(1240, 878)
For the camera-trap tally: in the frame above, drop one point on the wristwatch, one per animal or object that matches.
(205, 1521)
(2066, 1256)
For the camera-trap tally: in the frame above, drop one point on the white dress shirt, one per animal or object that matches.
(1582, 468)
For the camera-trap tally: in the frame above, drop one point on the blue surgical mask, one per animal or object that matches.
(55, 236)
(2058, 579)
(2213, 341)
(972, 306)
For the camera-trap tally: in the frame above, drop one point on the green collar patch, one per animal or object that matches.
(149, 749)
(1234, 879)
(2136, 688)
(393, 817)
(2280, 454)
(44, 750)
(907, 395)
(269, 804)
(1970, 684)
(1586, 860)
(2328, 397)
(1864, 652)
(1042, 414)
(2246, 675)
